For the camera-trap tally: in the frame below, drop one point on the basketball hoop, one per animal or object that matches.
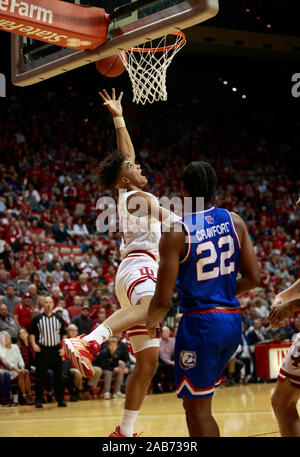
(147, 67)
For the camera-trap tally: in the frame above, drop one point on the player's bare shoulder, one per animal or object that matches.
(239, 224)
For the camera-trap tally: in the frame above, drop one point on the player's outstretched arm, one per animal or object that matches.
(142, 204)
(248, 265)
(171, 248)
(285, 304)
(114, 106)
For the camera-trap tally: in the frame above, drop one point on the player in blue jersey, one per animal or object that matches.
(203, 254)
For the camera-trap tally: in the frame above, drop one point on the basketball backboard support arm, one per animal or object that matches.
(121, 36)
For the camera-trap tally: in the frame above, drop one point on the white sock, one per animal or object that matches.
(128, 422)
(100, 334)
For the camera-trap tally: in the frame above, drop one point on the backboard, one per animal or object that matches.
(33, 61)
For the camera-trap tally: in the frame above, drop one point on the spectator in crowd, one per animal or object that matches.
(83, 322)
(70, 295)
(254, 333)
(255, 336)
(75, 310)
(64, 312)
(23, 282)
(72, 267)
(40, 288)
(110, 276)
(232, 370)
(43, 272)
(13, 363)
(95, 283)
(101, 316)
(67, 378)
(5, 388)
(57, 273)
(249, 315)
(260, 308)
(23, 312)
(50, 283)
(96, 298)
(164, 378)
(83, 288)
(4, 281)
(93, 260)
(29, 358)
(47, 331)
(84, 388)
(283, 333)
(60, 233)
(80, 230)
(243, 354)
(55, 259)
(33, 292)
(8, 323)
(109, 359)
(10, 299)
(56, 294)
(86, 266)
(101, 279)
(65, 284)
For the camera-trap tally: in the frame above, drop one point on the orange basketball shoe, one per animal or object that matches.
(117, 434)
(81, 353)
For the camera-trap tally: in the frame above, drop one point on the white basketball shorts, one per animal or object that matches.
(291, 364)
(136, 278)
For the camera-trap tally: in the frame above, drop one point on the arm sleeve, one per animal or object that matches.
(34, 330)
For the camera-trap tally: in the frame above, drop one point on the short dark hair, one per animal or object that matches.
(109, 170)
(200, 179)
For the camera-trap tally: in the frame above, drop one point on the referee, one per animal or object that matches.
(47, 331)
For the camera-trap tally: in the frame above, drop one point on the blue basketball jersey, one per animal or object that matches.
(207, 274)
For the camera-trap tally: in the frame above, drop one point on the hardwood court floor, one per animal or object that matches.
(241, 411)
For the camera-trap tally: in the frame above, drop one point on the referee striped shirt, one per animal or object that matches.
(48, 331)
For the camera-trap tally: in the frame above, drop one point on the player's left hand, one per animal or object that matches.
(278, 311)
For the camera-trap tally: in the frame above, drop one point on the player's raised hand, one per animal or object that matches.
(112, 103)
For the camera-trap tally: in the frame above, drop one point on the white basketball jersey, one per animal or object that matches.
(138, 233)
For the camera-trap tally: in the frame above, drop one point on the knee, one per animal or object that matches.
(196, 411)
(147, 368)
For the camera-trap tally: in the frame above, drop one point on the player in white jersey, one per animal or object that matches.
(140, 222)
(287, 391)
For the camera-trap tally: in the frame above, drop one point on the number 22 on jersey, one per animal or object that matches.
(222, 268)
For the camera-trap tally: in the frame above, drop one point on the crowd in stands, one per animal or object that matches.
(49, 244)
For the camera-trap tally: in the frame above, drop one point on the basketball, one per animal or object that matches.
(111, 66)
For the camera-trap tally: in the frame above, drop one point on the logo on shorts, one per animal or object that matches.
(187, 359)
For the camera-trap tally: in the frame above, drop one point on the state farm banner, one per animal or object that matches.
(55, 22)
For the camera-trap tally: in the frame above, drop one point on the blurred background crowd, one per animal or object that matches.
(51, 142)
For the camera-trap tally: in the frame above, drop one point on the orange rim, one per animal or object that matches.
(163, 48)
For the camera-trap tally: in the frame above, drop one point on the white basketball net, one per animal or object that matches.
(147, 67)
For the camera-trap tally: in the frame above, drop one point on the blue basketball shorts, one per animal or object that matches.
(205, 342)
